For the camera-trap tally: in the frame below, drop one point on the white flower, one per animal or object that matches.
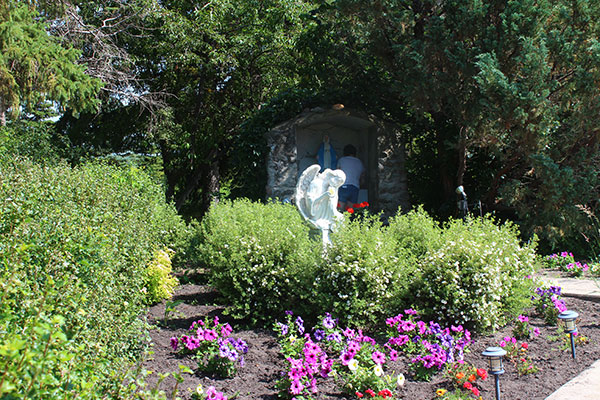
(199, 390)
(353, 365)
(400, 380)
(378, 370)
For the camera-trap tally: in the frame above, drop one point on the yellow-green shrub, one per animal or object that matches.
(159, 283)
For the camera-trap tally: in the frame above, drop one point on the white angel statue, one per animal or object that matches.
(317, 198)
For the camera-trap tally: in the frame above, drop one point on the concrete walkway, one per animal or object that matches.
(586, 289)
(586, 385)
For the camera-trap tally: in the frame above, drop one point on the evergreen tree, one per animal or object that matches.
(35, 70)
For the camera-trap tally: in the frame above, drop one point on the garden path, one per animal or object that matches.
(586, 385)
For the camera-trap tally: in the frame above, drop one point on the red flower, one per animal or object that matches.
(475, 391)
(472, 378)
(357, 205)
(350, 210)
(468, 385)
(482, 373)
(359, 394)
(385, 393)
(371, 392)
(525, 345)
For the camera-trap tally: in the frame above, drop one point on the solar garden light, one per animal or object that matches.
(494, 356)
(568, 319)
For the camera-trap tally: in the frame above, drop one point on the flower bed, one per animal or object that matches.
(265, 364)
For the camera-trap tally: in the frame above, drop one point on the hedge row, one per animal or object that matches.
(264, 259)
(76, 245)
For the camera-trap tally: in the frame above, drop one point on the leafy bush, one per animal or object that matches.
(415, 233)
(363, 276)
(478, 275)
(75, 245)
(261, 257)
(158, 280)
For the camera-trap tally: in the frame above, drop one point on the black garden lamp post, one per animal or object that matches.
(494, 356)
(569, 318)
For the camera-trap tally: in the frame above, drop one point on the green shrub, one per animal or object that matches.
(261, 257)
(478, 275)
(415, 233)
(363, 274)
(75, 245)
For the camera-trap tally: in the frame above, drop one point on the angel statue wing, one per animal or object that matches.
(302, 187)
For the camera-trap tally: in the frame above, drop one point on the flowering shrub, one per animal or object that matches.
(477, 277)
(522, 329)
(261, 257)
(415, 233)
(362, 277)
(517, 354)
(432, 347)
(548, 303)
(213, 347)
(464, 376)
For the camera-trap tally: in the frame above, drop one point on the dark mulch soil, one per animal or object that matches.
(264, 364)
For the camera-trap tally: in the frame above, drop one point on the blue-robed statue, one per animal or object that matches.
(326, 155)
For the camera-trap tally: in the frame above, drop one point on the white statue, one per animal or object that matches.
(317, 198)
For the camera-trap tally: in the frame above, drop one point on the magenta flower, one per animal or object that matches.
(523, 318)
(210, 335)
(296, 387)
(226, 330)
(346, 357)
(378, 357)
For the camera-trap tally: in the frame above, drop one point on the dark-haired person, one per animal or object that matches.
(355, 175)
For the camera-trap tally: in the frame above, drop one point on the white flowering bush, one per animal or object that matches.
(479, 275)
(261, 257)
(363, 276)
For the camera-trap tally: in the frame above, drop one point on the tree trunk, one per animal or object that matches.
(170, 175)
(211, 186)
(2, 114)
(462, 156)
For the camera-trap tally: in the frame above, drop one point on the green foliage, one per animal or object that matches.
(35, 68)
(261, 257)
(29, 139)
(158, 280)
(416, 233)
(363, 276)
(477, 276)
(76, 243)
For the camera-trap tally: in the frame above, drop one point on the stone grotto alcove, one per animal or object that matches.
(293, 146)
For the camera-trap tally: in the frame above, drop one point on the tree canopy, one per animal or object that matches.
(499, 96)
